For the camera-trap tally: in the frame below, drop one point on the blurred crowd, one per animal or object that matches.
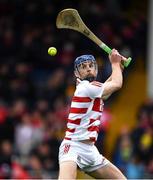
(133, 152)
(36, 89)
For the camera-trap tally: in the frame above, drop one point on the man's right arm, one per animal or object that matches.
(116, 77)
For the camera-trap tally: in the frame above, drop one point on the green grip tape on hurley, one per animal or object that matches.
(108, 50)
(127, 62)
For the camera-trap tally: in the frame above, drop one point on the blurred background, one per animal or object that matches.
(36, 89)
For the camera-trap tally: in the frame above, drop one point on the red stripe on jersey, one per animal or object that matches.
(96, 85)
(66, 138)
(76, 121)
(96, 105)
(81, 99)
(96, 82)
(92, 120)
(71, 130)
(93, 139)
(93, 128)
(78, 110)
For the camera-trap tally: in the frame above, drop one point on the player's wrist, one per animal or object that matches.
(115, 64)
(122, 66)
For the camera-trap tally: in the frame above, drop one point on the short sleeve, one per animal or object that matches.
(95, 89)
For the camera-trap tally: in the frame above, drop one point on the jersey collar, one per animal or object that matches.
(78, 81)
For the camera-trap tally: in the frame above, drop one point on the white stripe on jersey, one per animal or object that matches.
(80, 105)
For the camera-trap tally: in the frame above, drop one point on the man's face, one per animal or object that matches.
(87, 69)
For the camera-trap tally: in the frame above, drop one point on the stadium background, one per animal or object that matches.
(36, 89)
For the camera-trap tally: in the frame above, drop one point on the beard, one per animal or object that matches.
(90, 78)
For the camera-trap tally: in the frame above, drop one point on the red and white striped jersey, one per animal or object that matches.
(85, 111)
